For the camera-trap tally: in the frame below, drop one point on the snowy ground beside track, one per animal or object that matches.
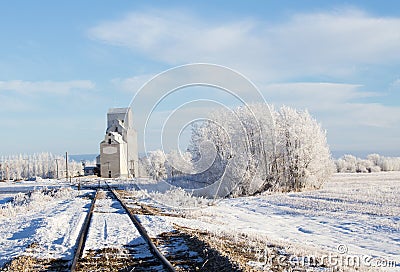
(356, 212)
(43, 226)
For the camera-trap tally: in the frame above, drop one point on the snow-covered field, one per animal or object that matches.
(355, 215)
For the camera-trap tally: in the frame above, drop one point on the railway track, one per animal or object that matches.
(138, 253)
(121, 234)
(182, 247)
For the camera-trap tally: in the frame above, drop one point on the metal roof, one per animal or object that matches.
(118, 110)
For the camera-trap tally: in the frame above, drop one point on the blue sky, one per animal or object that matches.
(63, 64)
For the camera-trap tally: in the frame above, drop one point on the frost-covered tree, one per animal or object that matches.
(302, 151)
(178, 164)
(348, 164)
(364, 166)
(261, 149)
(389, 163)
(145, 169)
(224, 147)
(155, 164)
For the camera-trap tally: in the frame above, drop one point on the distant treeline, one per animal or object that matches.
(43, 165)
(373, 163)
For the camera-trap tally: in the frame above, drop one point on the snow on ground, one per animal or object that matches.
(356, 213)
(27, 186)
(45, 225)
(111, 227)
(155, 225)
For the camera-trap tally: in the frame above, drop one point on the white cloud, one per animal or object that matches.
(337, 102)
(171, 36)
(51, 87)
(331, 43)
(347, 37)
(372, 114)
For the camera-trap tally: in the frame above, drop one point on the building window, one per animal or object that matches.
(109, 141)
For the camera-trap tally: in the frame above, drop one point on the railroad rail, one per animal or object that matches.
(144, 234)
(86, 226)
(83, 234)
